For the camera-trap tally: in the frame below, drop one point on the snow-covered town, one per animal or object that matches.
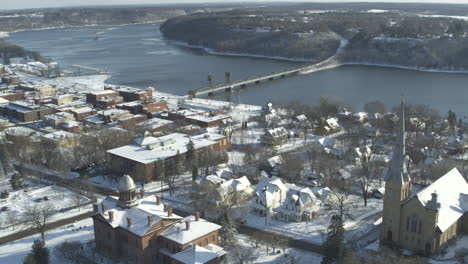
(100, 173)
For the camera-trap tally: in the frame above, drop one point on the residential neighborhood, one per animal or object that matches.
(96, 170)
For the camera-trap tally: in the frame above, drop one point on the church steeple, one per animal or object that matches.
(398, 172)
(397, 185)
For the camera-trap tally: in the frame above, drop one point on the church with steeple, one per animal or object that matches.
(422, 219)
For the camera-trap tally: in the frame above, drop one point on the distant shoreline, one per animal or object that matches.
(232, 54)
(96, 25)
(411, 68)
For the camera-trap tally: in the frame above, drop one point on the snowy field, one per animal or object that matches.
(69, 84)
(301, 256)
(59, 198)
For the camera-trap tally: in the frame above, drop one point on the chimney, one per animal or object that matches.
(142, 193)
(158, 200)
(129, 222)
(187, 225)
(169, 212)
(95, 208)
(150, 220)
(104, 208)
(197, 216)
(165, 207)
(111, 216)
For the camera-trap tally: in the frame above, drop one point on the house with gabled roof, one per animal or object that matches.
(299, 205)
(269, 194)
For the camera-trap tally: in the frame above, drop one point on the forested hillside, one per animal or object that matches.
(422, 36)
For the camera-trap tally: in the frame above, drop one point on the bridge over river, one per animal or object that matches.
(303, 69)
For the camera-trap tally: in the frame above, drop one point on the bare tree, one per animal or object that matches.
(12, 218)
(242, 254)
(291, 167)
(339, 196)
(38, 215)
(366, 174)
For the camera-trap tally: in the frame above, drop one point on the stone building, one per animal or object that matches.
(423, 219)
(142, 230)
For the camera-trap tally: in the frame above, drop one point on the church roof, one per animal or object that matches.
(452, 195)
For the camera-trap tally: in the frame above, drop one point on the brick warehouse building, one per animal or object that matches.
(141, 158)
(146, 231)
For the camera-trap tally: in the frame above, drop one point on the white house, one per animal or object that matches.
(269, 194)
(299, 205)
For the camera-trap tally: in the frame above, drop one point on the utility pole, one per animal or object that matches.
(228, 77)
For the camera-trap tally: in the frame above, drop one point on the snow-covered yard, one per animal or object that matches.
(461, 243)
(301, 256)
(362, 220)
(15, 252)
(62, 201)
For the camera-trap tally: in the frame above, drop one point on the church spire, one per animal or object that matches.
(398, 170)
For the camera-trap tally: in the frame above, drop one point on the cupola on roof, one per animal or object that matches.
(126, 183)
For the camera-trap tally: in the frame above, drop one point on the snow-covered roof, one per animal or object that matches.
(103, 92)
(59, 135)
(58, 116)
(82, 110)
(271, 186)
(138, 214)
(21, 131)
(179, 233)
(195, 255)
(301, 118)
(452, 195)
(276, 160)
(300, 196)
(210, 136)
(332, 122)
(278, 132)
(234, 185)
(155, 122)
(163, 148)
(327, 142)
(208, 117)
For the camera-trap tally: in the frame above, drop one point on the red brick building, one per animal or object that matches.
(12, 96)
(146, 231)
(136, 95)
(141, 158)
(83, 112)
(93, 97)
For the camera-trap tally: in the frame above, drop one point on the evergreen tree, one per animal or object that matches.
(194, 173)
(39, 254)
(16, 181)
(452, 119)
(333, 243)
(191, 159)
(179, 164)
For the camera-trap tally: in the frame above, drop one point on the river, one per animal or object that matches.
(138, 56)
